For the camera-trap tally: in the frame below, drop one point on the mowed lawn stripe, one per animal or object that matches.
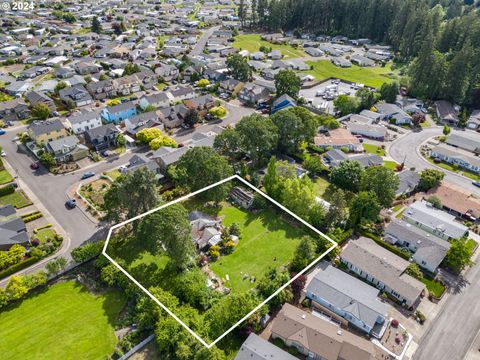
(63, 322)
(265, 236)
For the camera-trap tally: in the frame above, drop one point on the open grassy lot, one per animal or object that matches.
(369, 76)
(374, 149)
(252, 43)
(18, 199)
(5, 177)
(113, 174)
(63, 322)
(266, 241)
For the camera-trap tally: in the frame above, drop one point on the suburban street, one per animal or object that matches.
(450, 335)
(459, 320)
(406, 148)
(51, 190)
(202, 41)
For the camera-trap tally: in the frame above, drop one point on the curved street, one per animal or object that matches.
(405, 148)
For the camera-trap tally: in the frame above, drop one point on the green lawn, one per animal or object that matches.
(63, 322)
(113, 174)
(369, 76)
(449, 167)
(433, 287)
(374, 149)
(18, 199)
(390, 164)
(252, 43)
(397, 207)
(320, 186)
(472, 244)
(266, 241)
(45, 235)
(5, 177)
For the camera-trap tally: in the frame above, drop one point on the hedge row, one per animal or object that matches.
(32, 217)
(6, 190)
(387, 246)
(35, 231)
(17, 267)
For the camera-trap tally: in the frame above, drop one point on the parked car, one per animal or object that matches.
(2, 132)
(35, 165)
(87, 175)
(476, 183)
(71, 204)
(4, 153)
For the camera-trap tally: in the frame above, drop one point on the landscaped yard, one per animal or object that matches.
(5, 177)
(266, 241)
(95, 191)
(45, 235)
(449, 167)
(369, 76)
(113, 174)
(374, 149)
(62, 322)
(252, 43)
(433, 287)
(18, 199)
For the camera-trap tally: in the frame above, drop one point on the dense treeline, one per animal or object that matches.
(440, 40)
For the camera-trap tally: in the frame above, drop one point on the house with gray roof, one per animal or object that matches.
(67, 149)
(255, 348)
(140, 161)
(12, 229)
(383, 269)
(425, 216)
(391, 112)
(469, 141)
(367, 160)
(473, 122)
(83, 121)
(446, 112)
(335, 157)
(102, 137)
(354, 300)
(428, 250)
(460, 157)
(143, 121)
(409, 181)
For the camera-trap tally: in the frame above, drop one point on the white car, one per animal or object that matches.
(4, 153)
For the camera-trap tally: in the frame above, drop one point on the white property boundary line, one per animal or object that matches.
(104, 252)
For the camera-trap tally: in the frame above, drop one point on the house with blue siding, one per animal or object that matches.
(283, 102)
(333, 290)
(120, 112)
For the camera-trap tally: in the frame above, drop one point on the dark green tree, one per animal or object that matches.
(347, 175)
(365, 207)
(96, 27)
(389, 92)
(381, 181)
(199, 167)
(287, 82)
(239, 68)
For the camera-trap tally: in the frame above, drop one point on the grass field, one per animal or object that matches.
(63, 322)
(18, 199)
(113, 174)
(252, 43)
(369, 76)
(374, 149)
(5, 177)
(45, 235)
(266, 241)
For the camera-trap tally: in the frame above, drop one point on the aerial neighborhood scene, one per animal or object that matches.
(240, 179)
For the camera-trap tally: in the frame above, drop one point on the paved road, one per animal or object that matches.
(51, 190)
(452, 332)
(406, 147)
(200, 45)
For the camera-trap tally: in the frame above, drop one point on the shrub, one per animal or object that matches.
(6, 190)
(87, 251)
(218, 111)
(32, 217)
